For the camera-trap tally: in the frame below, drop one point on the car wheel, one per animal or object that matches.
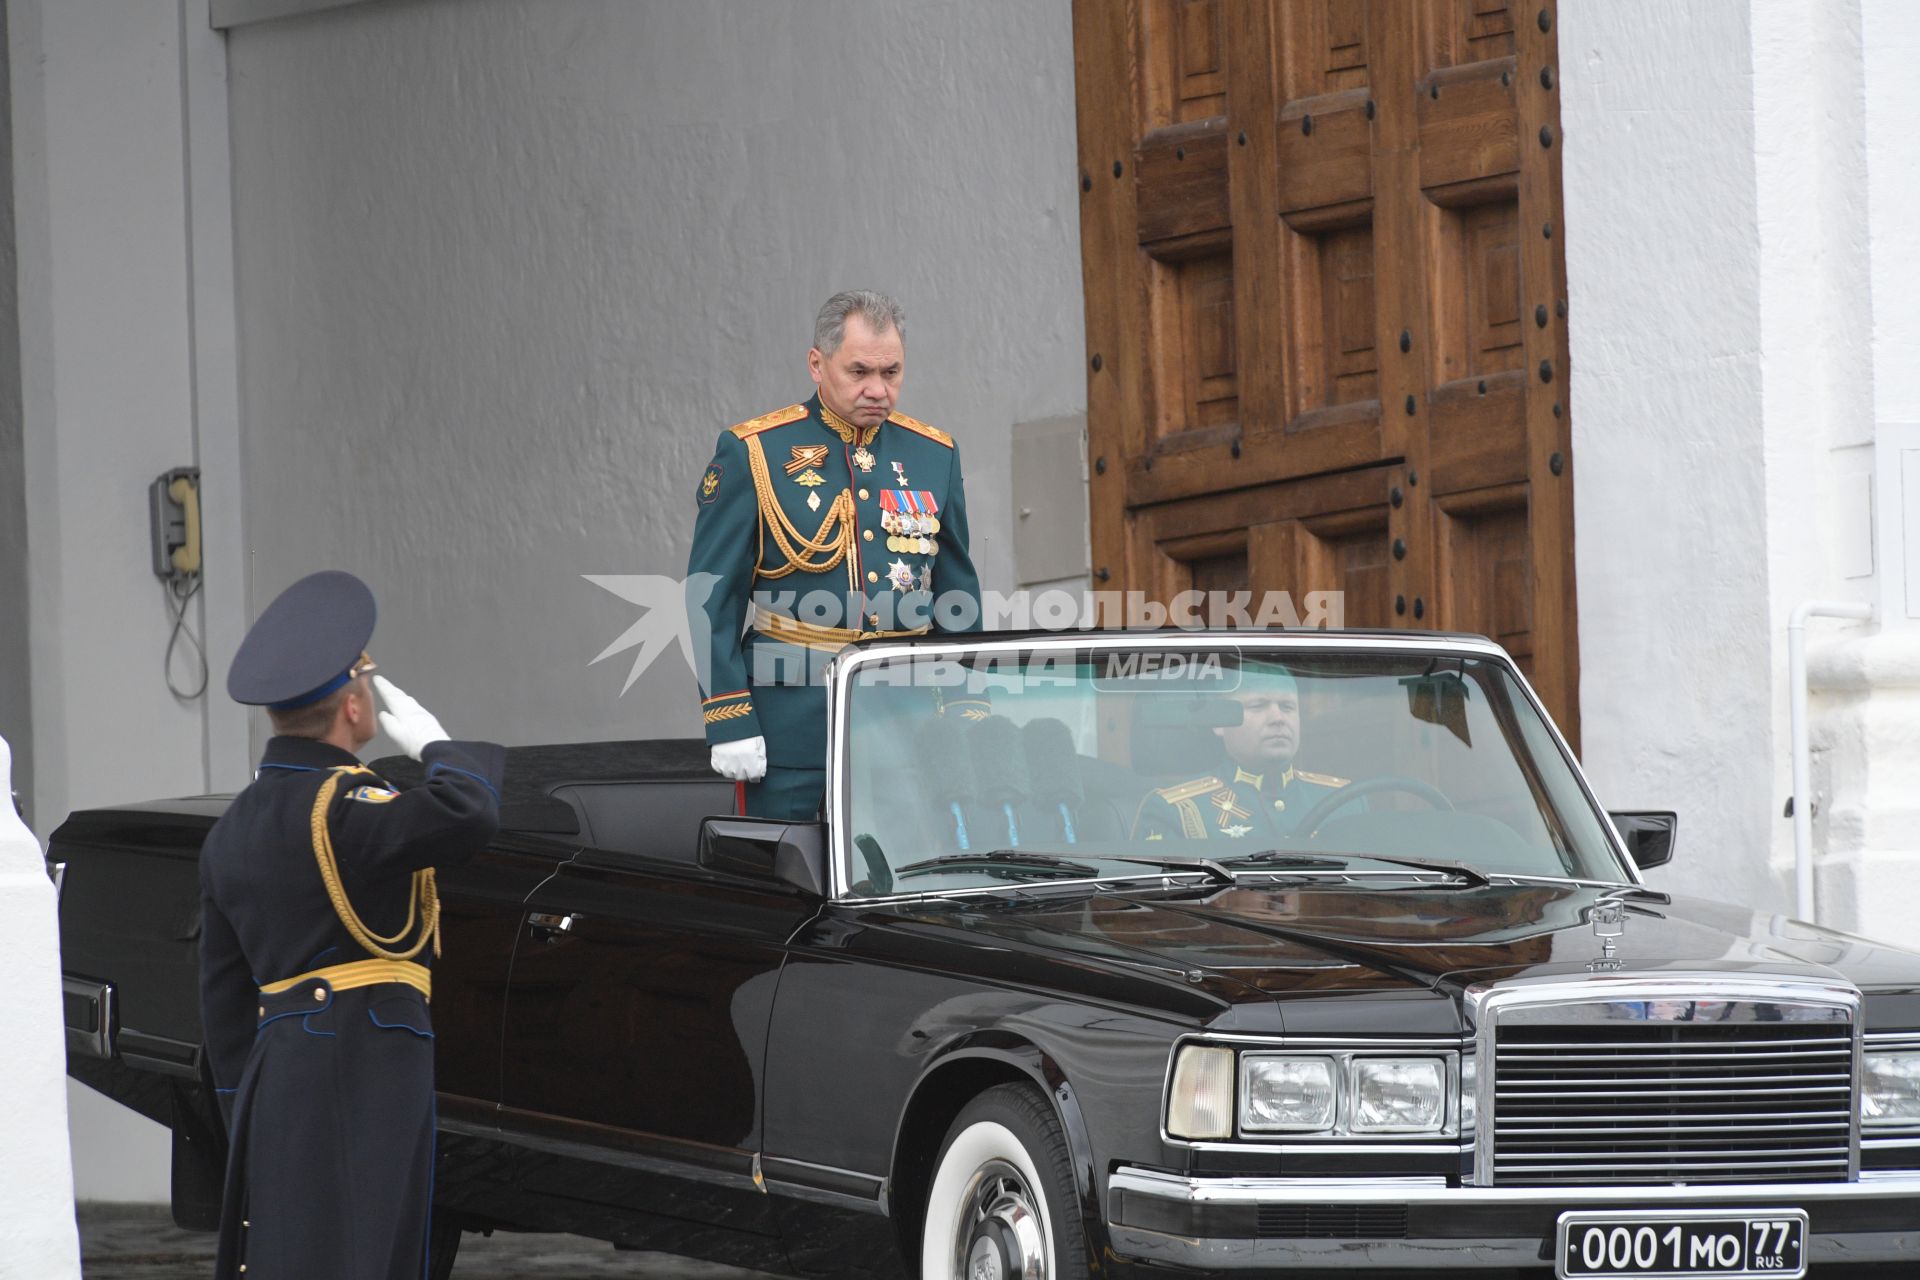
(1002, 1204)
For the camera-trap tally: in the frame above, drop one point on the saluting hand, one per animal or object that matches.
(410, 725)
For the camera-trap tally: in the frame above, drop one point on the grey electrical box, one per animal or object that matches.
(1050, 499)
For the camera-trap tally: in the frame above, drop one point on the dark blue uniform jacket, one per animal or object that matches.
(329, 1093)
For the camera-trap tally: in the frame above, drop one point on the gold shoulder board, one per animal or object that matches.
(920, 428)
(1324, 779)
(1188, 790)
(767, 421)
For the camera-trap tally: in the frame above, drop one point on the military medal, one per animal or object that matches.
(1228, 803)
(805, 456)
(861, 458)
(900, 473)
(908, 517)
(900, 576)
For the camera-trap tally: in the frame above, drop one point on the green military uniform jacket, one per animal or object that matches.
(1263, 808)
(810, 533)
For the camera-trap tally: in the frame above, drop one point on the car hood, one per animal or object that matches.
(1420, 946)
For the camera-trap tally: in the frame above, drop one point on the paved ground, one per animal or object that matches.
(122, 1242)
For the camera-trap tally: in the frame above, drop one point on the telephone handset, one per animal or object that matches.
(174, 500)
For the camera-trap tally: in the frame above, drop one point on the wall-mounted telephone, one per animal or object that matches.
(174, 500)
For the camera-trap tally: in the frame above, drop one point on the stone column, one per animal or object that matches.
(37, 1232)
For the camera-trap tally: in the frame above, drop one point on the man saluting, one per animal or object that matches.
(320, 925)
(825, 522)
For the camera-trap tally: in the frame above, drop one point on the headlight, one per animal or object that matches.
(1287, 1094)
(1890, 1089)
(1202, 1102)
(1399, 1095)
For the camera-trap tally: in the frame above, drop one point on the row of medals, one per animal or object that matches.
(910, 534)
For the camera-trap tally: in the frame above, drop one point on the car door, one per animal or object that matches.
(482, 910)
(635, 1040)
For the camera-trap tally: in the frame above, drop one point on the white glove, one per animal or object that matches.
(410, 725)
(743, 761)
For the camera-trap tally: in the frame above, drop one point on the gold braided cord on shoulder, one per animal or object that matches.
(833, 540)
(423, 904)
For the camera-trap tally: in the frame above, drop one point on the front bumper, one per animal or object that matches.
(1223, 1223)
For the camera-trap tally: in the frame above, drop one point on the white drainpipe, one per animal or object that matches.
(1797, 714)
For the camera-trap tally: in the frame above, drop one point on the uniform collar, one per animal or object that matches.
(305, 753)
(1258, 780)
(841, 427)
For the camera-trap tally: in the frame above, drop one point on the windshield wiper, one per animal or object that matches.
(1278, 856)
(1208, 866)
(1002, 860)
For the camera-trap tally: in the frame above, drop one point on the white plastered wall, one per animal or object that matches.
(506, 270)
(1664, 286)
(1739, 188)
(16, 696)
(1866, 682)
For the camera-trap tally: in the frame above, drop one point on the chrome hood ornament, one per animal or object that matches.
(1608, 916)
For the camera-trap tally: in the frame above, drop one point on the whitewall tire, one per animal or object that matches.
(1002, 1204)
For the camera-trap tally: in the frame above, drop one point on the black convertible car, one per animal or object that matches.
(1115, 954)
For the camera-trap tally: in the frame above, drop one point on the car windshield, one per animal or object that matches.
(1074, 761)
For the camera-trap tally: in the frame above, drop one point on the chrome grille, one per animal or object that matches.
(1653, 1102)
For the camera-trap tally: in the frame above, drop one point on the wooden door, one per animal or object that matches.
(1326, 327)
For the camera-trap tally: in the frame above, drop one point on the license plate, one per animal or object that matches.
(1650, 1245)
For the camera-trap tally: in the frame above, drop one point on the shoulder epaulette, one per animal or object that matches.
(1188, 790)
(1323, 779)
(920, 428)
(767, 421)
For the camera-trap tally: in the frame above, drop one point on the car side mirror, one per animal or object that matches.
(791, 853)
(1648, 836)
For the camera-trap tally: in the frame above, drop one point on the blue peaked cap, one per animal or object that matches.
(304, 645)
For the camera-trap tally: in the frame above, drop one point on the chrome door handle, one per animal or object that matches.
(547, 925)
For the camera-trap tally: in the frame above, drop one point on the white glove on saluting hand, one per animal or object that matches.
(742, 761)
(410, 725)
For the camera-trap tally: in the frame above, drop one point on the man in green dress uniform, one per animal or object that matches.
(1257, 794)
(825, 522)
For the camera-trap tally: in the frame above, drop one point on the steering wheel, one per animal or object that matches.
(1315, 817)
(879, 874)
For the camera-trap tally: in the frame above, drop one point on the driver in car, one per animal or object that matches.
(1257, 792)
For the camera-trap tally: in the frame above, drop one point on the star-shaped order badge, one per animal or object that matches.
(900, 576)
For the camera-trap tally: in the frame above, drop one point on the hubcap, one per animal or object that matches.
(1000, 1233)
